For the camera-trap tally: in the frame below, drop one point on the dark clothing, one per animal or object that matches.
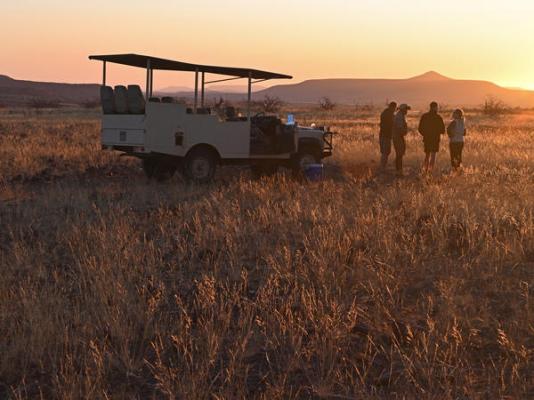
(385, 144)
(386, 128)
(431, 146)
(400, 149)
(431, 127)
(400, 127)
(386, 122)
(456, 154)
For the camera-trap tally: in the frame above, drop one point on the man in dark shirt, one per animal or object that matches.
(386, 128)
(431, 127)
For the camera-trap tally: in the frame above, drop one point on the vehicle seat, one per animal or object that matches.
(136, 101)
(121, 104)
(167, 99)
(106, 98)
(155, 100)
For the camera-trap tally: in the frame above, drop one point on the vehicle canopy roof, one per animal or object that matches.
(155, 63)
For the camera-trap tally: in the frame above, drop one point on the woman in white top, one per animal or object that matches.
(456, 132)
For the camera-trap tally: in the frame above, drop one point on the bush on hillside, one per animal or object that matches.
(40, 103)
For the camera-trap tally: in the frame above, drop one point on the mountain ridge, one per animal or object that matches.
(23, 92)
(418, 91)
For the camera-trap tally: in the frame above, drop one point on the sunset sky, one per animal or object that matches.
(475, 39)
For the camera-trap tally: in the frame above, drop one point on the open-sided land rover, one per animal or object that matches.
(169, 136)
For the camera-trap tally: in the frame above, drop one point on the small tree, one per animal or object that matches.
(326, 104)
(271, 104)
(494, 107)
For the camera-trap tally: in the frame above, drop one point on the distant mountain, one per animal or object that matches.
(418, 91)
(175, 89)
(20, 92)
(430, 76)
(212, 90)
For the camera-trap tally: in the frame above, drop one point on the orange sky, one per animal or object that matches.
(490, 40)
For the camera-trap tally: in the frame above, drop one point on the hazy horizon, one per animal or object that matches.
(235, 87)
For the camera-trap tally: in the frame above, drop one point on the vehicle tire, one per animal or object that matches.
(306, 155)
(200, 165)
(260, 170)
(158, 168)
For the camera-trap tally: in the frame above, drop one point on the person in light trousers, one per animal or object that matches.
(456, 132)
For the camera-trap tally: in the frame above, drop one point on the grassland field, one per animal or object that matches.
(362, 286)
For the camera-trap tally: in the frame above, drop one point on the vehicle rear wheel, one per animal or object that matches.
(158, 168)
(200, 165)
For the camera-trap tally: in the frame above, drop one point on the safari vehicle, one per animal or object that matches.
(167, 136)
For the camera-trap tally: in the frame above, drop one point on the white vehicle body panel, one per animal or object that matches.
(165, 121)
(123, 130)
(157, 131)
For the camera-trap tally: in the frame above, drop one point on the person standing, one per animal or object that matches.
(431, 127)
(456, 132)
(386, 130)
(400, 130)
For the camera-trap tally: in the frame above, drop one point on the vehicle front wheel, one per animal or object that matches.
(200, 165)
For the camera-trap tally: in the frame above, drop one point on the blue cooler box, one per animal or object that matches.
(314, 172)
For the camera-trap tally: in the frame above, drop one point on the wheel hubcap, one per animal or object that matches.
(200, 168)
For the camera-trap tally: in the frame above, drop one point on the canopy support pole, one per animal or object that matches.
(202, 91)
(103, 73)
(147, 91)
(249, 94)
(151, 81)
(196, 91)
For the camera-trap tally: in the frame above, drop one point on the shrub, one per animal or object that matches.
(40, 103)
(89, 104)
(271, 104)
(494, 107)
(326, 104)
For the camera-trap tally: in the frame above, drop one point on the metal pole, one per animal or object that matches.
(202, 91)
(196, 91)
(104, 73)
(147, 92)
(151, 82)
(249, 94)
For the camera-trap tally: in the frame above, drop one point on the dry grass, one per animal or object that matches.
(362, 286)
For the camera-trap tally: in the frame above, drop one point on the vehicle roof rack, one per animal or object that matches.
(155, 63)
